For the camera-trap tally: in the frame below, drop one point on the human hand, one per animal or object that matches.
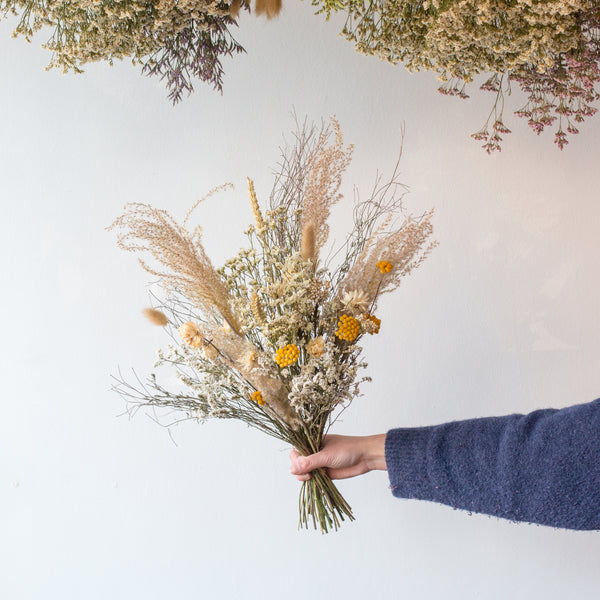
(342, 456)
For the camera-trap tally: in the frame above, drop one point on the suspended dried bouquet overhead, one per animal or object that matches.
(177, 40)
(273, 337)
(550, 49)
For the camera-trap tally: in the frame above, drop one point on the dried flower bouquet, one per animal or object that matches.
(272, 338)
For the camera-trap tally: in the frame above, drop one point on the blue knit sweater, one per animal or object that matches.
(543, 467)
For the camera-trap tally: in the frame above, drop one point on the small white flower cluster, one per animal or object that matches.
(325, 381)
(212, 384)
(462, 38)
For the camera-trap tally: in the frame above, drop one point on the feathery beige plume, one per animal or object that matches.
(307, 244)
(405, 248)
(322, 184)
(258, 218)
(155, 316)
(186, 266)
(270, 8)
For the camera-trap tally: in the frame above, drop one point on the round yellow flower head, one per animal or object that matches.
(348, 328)
(287, 355)
(316, 347)
(257, 397)
(190, 333)
(384, 266)
(377, 324)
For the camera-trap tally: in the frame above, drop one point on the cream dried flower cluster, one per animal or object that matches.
(178, 40)
(273, 337)
(461, 38)
(550, 49)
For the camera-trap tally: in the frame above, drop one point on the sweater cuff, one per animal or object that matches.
(406, 460)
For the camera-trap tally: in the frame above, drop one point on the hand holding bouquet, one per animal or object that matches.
(272, 338)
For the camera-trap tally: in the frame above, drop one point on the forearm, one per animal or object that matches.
(373, 450)
(543, 467)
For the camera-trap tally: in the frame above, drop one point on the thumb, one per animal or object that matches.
(306, 464)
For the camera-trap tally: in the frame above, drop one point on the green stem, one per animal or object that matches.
(322, 503)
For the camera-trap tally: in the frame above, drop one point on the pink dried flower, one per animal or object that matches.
(560, 139)
(500, 127)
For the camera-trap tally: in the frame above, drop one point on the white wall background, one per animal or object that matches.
(502, 318)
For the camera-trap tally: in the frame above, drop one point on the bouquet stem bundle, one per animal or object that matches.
(322, 504)
(272, 337)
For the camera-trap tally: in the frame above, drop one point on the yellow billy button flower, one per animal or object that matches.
(287, 355)
(384, 266)
(257, 397)
(190, 334)
(377, 323)
(348, 328)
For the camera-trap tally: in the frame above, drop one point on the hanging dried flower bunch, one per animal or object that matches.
(177, 40)
(549, 48)
(273, 337)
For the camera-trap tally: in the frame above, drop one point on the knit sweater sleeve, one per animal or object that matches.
(543, 467)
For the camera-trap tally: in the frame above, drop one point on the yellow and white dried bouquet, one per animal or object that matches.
(273, 337)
